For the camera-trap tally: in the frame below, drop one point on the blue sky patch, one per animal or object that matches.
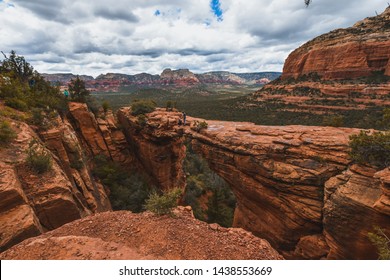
(216, 8)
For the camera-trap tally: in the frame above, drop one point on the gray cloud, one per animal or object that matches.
(92, 37)
(116, 14)
(45, 9)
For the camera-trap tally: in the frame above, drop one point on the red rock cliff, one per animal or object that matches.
(295, 185)
(345, 53)
(157, 146)
(343, 70)
(32, 204)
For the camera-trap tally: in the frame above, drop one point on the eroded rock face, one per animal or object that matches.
(157, 146)
(32, 203)
(18, 220)
(99, 136)
(351, 211)
(343, 70)
(345, 53)
(295, 185)
(62, 140)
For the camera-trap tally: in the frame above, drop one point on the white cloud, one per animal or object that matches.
(93, 37)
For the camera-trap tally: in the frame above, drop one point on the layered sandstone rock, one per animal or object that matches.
(343, 70)
(350, 212)
(294, 185)
(345, 53)
(181, 77)
(31, 203)
(99, 136)
(157, 146)
(62, 140)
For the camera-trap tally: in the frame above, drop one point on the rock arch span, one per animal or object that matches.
(295, 185)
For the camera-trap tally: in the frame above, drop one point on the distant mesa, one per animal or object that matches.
(111, 82)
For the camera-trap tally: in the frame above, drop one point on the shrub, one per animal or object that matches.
(386, 118)
(335, 121)
(198, 126)
(76, 161)
(142, 120)
(371, 149)
(7, 134)
(170, 105)
(382, 242)
(128, 191)
(163, 204)
(105, 106)
(142, 106)
(37, 116)
(16, 103)
(38, 158)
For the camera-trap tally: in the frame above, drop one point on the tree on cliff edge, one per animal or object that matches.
(77, 90)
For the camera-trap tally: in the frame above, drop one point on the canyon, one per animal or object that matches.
(297, 188)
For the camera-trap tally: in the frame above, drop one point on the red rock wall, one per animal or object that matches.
(159, 149)
(30, 203)
(294, 184)
(341, 61)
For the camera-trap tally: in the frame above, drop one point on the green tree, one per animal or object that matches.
(386, 118)
(77, 90)
(17, 66)
(7, 134)
(163, 204)
(105, 106)
(382, 242)
(217, 211)
(372, 148)
(128, 189)
(143, 106)
(24, 88)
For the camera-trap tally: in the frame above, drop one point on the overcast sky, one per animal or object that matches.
(133, 36)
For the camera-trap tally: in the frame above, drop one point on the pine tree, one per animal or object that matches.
(77, 90)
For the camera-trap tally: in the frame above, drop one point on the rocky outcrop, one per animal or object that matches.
(32, 203)
(158, 147)
(349, 53)
(124, 235)
(343, 70)
(99, 136)
(355, 202)
(181, 77)
(295, 185)
(62, 140)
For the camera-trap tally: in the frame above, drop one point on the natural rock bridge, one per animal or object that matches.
(295, 185)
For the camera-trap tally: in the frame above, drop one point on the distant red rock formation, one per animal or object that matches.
(345, 69)
(348, 53)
